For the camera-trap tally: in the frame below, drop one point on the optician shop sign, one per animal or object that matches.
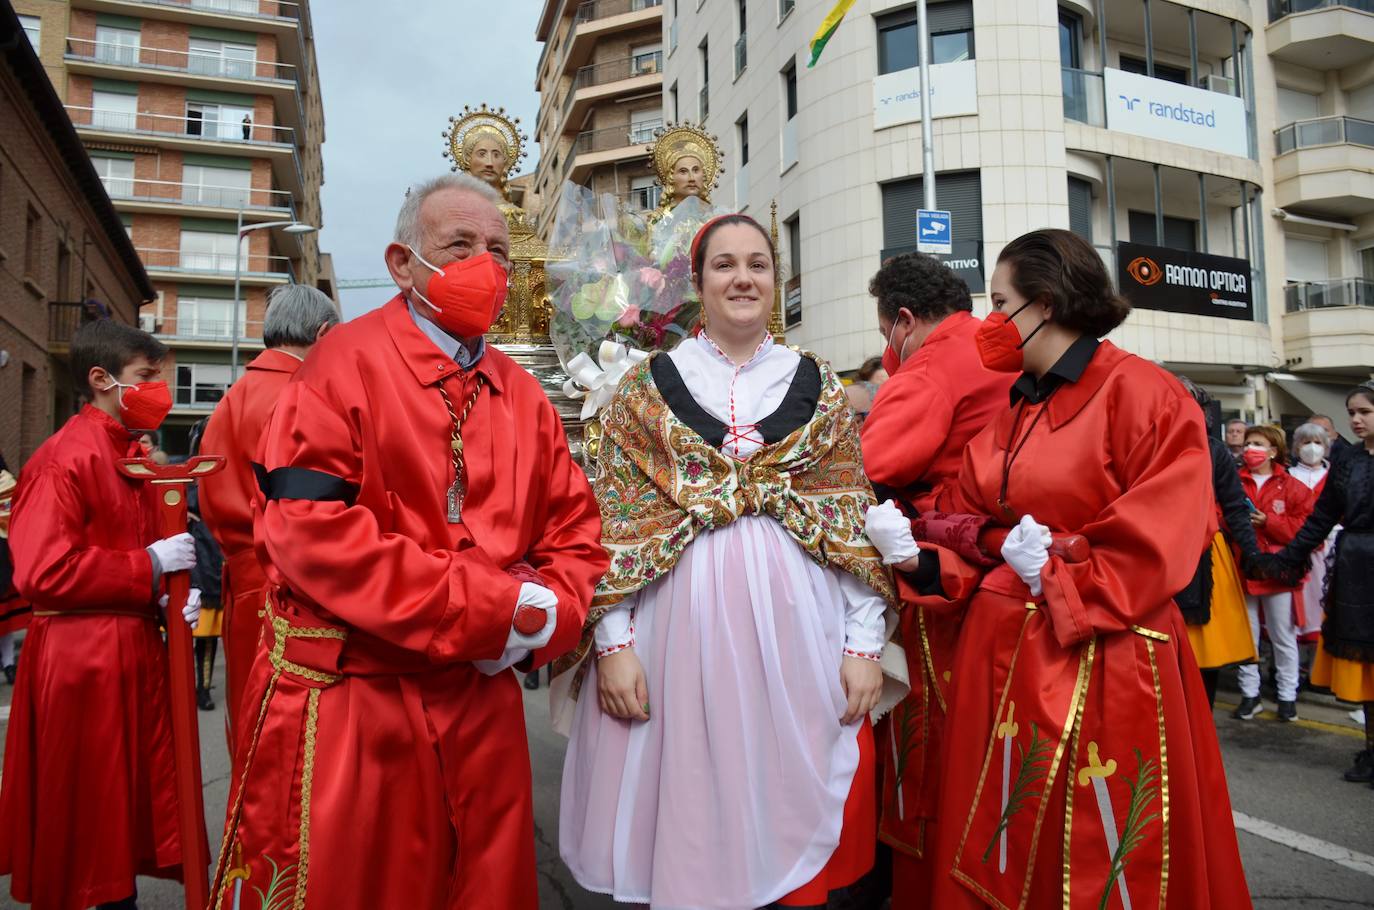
(1159, 109)
(953, 93)
(1177, 281)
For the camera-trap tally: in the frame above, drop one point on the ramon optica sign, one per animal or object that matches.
(1177, 281)
(1159, 109)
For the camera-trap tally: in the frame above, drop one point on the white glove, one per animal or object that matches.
(176, 553)
(1026, 550)
(890, 531)
(190, 612)
(518, 646)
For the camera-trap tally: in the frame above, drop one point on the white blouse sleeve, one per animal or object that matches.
(864, 629)
(616, 630)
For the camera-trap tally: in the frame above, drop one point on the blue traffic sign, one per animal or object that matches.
(934, 231)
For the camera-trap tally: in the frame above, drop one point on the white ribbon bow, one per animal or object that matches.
(595, 381)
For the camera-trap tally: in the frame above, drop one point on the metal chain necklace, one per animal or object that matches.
(459, 489)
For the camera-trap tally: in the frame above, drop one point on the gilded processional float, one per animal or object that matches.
(613, 283)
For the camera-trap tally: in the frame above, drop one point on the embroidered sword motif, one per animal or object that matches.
(1034, 766)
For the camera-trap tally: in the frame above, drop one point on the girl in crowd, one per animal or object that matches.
(1345, 657)
(1279, 503)
(721, 753)
(1313, 445)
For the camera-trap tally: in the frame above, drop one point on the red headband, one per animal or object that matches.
(701, 232)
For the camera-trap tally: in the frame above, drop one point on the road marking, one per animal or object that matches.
(1341, 856)
(1321, 725)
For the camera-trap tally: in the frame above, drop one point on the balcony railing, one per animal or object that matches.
(1313, 295)
(1303, 134)
(619, 70)
(201, 395)
(604, 9)
(146, 124)
(1084, 97)
(644, 198)
(228, 197)
(192, 62)
(1280, 8)
(741, 54)
(615, 137)
(209, 329)
(215, 263)
(260, 9)
(64, 319)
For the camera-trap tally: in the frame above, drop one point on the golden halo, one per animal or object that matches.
(480, 121)
(682, 140)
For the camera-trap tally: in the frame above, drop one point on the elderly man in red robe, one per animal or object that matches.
(416, 490)
(938, 397)
(297, 317)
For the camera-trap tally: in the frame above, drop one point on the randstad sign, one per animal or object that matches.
(1158, 109)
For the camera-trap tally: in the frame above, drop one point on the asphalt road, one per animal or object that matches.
(1315, 849)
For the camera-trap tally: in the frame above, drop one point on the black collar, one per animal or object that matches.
(1068, 368)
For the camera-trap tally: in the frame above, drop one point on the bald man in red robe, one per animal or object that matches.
(297, 317)
(416, 488)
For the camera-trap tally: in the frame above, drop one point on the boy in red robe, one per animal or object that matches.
(416, 488)
(297, 317)
(88, 799)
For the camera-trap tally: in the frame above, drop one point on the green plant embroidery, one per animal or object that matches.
(1144, 789)
(907, 733)
(279, 887)
(1033, 770)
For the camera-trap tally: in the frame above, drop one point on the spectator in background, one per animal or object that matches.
(206, 576)
(1280, 504)
(865, 385)
(247, 127)
(1235, 437)
(1337, 441)
(1312, 448)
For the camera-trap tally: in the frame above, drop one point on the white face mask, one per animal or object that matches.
(1312, 453)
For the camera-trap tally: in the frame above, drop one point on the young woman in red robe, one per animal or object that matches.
(89, 798)
(1087, 764)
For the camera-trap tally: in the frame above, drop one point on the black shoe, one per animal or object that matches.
(1362, 772)
(203, 700)
(532, 680)
(1248, 709)
(1288, 710)
(9, 674)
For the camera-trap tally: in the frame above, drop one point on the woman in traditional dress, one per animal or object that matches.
(1345, 658)
(1089, 774)
(721, 754)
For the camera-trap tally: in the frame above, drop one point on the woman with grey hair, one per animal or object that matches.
(1311, 461)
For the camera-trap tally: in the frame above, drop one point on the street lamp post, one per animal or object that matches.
(291, 227)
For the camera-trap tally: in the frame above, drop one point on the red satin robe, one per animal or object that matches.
(88, 798)
(1067, 701)
(226, 504)
(380, 768)
(913, 441)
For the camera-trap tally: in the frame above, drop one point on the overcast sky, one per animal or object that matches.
(391, 76)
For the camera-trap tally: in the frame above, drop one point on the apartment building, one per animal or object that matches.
(1218, 153)
(204, 120)
(600, 82)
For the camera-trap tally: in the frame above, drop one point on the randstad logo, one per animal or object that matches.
(1180, 112)
(1144, 270)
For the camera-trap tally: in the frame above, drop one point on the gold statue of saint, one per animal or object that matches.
(688, 162)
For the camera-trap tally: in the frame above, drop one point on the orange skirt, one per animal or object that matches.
(853, 857)
(1225, 639)
(1351, 680)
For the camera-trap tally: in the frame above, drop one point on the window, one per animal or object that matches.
(1070, 40)
(222, 58)
(222, 186)
(785, 7)
(742, 42)
(1179, 233)
(1295, 105)
(958, 193)
(792, 287)
(33, 30)
(1162, 70)
(209, 251)
(33, 242)
(64, 271)
(789, 88)
(742, 127)
(951, 36)
(703, 99)
(219, 121)
(644, 193)
(672, 100)
(646, 59)
(114, 111)
(1081, 208)
(116, 45)
(1367, 263)
(644, 123)
(792, 228)
(204, 317)
(201, 385)
(116, 173)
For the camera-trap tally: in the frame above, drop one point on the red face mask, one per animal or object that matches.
(466, 296)
(999, 342)
(892, 359)
(144, 405)
(1254, 457)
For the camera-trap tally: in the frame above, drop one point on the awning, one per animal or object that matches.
(1321, 398)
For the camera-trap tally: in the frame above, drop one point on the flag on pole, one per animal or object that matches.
(828, 26)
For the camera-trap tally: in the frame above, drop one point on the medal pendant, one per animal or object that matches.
(455, 502)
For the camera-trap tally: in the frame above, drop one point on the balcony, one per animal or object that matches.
(602, 81)
(1326, 166)
(200, 10)
(608, 146)
(592, 21)
(215, 267)
(595, 10)
(63, 321)
(174, 197)
(192, 134)
(1321, 34)
(1084, 97)
(1329, 325)
(643, 199)
(218, 331)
